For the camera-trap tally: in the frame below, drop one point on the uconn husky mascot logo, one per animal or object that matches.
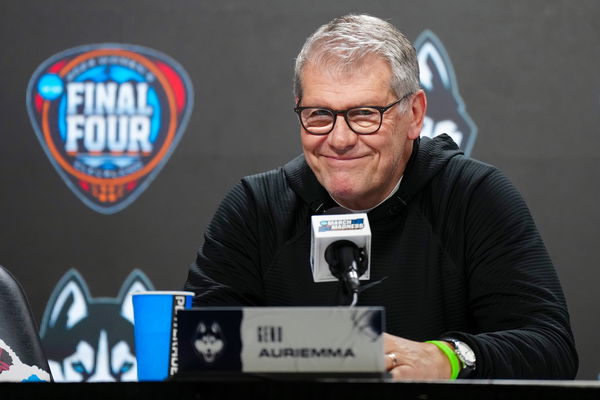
(446, 111)
(91, 339)
(108, 117)
(209, 341)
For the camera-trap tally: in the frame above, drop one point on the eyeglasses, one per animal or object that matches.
(364, 120)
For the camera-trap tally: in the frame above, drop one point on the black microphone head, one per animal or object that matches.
(340, 255)
(335, 258)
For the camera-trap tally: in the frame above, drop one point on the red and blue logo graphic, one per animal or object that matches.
(109, 117)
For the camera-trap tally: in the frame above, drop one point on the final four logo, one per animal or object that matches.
(108, 117)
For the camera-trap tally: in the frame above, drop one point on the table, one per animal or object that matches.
(242, 388)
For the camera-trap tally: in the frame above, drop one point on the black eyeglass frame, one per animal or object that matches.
(298, 110)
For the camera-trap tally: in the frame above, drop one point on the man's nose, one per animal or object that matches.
(341, 138)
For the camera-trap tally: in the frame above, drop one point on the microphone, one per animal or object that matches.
(346, 262)
(340, 249)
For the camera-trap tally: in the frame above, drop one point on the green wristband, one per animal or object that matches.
(454, 362)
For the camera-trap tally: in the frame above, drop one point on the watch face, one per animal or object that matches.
(466, 352)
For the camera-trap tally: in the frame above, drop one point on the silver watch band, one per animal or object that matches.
(465, 354)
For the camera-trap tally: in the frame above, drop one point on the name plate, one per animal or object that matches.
(281, 339)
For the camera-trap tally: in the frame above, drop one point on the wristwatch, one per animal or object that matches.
(465, 354)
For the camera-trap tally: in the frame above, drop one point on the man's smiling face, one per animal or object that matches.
(359, 171)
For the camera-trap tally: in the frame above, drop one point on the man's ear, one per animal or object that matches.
(417, 110)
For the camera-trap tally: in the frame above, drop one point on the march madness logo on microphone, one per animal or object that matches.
(343, 224)
(109, 117)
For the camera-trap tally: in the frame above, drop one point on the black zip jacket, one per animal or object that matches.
(457, 246)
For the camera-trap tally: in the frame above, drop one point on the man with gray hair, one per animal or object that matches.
(468, 286)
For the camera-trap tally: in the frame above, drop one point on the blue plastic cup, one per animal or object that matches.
(155, 331)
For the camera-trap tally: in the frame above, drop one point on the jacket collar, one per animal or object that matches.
(305, 184)
(428, 157)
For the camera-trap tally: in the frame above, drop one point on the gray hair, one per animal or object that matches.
(344, 43)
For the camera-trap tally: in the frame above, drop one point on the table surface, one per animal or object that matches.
(298, 388)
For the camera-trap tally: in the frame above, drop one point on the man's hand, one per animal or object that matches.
(408, 360)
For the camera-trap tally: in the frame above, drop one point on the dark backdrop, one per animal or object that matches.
(527, 71)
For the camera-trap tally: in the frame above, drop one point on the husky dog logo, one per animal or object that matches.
(13, 370)
(446, 111)
(108, 117)
(209, 341)
(91, 339)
